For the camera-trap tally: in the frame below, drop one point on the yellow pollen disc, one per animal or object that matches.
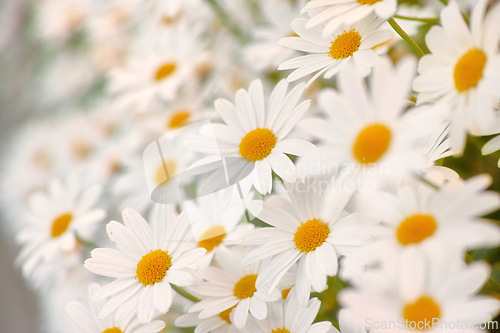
(310, 235)
(372, 143)
(345, 44)
(285, 292)
(281, 330)
(179, 119)
(163, 176)
(212, 238)
(225, 315)
(153, 267)
(469, 70)
(415, 229)
(61, 224)
(113, 330)
(164, 71)
(257, 144)
(368, 2)
(423, 310)
(245, 287)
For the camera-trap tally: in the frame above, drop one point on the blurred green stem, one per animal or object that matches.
(433, 20)
(184, 293)
(224, 17)
(406, 37)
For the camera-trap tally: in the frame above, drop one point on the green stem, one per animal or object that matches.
(224, 17)
(444, 2)
(406, 37)
(184, 293)
(433, 20)
(428, 182)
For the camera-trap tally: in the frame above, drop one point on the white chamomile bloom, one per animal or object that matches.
(147, 260)
(232, 286)
(327, 55)
(310, 227)
(214, 220)
(429, 220)
(255, 136)
(288, 316)
(338, 12)
(56, 220)
(463, 69)
(437, 295)
(84, 318)
(371, 134)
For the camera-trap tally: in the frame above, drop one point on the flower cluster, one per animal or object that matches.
(261, 166)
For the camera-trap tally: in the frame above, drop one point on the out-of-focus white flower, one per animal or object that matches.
(438, 295)
(264, 53)
(58, 20)
(159, 68)
(56, 221)
(147, 260)
(232, 286)
(463, 70)
(84, 318)
(338, 12)
(353, 43)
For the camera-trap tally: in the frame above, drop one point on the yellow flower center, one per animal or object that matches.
(469, 70)
(281, 330)
(368, 2)
(61, 224)
(179, 119)
(224, 315)
(113, 330)
(165, 172)
(164, 71)
(245, 287)
(421, 311)
(212, 238)
(371, 143)
(285, 292)
(153, 267)
(345, 44)
(415, 229)
(257, 144)
(310, 235)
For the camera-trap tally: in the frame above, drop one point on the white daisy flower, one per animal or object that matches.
(437, 296)
(288, 316)
(232, 286)
(214, 220)
(429, 220)
(371, 134)
(56, 221)
(327, 55)
(338, 12)
(463, 69)
(84, 318)
(147, 260)
(310, 227)
(256, 136)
